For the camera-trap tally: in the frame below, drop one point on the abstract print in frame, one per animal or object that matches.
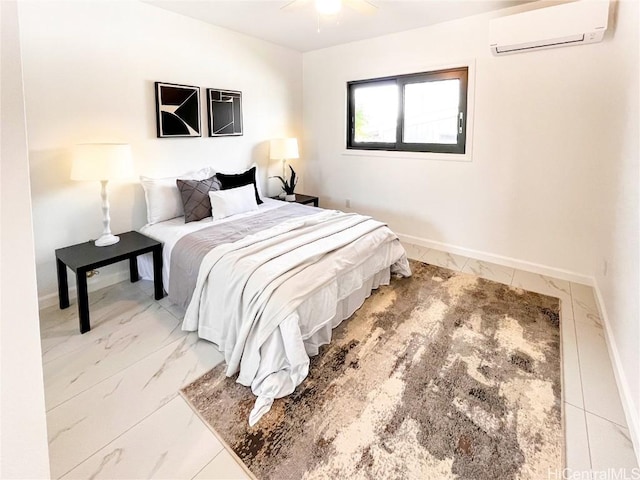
(225, 112)
(177, 110)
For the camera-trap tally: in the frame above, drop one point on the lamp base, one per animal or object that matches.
(106, 240)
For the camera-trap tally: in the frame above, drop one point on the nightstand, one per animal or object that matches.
(84, 257)
(303, 199)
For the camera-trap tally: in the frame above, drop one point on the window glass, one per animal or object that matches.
(431, 112)
(376, 113)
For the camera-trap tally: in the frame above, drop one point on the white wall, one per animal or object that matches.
(618, 234)
(553, 181)
(23, 429)
(89, 73)
(538, 147)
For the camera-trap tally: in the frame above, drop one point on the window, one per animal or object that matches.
(422, 112)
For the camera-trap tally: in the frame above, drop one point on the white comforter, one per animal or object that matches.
(249, 294)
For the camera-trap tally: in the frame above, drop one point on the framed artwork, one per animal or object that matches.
(177, 110)
(225, 112)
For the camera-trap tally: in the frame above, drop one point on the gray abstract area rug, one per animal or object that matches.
(439, 376)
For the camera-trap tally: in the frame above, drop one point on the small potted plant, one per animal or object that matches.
(289, 186)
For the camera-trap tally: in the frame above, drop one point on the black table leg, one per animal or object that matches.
(157, 272)
(133, 269)
(83, 301)
(63, 286)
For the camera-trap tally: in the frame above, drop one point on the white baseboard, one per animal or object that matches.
(499, 259)
(630, 409)
(96, 283)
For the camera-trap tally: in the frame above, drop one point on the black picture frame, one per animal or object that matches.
(224, 112)
(177, 110)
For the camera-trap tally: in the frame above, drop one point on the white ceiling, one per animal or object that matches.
(297, 28)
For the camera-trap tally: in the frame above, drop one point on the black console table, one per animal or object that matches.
(84, 257)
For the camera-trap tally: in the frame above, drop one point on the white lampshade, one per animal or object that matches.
(102, 161)
(283, 148)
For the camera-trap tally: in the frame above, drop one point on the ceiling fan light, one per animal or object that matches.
(328, 7)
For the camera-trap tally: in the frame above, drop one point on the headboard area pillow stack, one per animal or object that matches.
(188, 194)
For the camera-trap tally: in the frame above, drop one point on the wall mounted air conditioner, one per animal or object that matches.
(575, 23)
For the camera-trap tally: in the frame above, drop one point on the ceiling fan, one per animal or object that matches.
(333, 7)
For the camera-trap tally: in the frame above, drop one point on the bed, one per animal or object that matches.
(268, 286)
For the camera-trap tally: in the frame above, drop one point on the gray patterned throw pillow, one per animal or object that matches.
(195, 197)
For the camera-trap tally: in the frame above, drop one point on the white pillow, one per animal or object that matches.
(225, 203)
(163, 197)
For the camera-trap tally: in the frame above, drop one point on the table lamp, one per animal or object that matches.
(283, 149)
(103, 162)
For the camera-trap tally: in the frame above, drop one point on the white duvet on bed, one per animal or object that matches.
(259, 298)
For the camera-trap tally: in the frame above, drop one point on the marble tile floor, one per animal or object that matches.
(114, 411)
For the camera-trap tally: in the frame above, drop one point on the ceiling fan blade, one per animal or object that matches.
(295, 5)
(361, 6)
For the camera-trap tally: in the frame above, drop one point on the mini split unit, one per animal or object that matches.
(575, 23)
